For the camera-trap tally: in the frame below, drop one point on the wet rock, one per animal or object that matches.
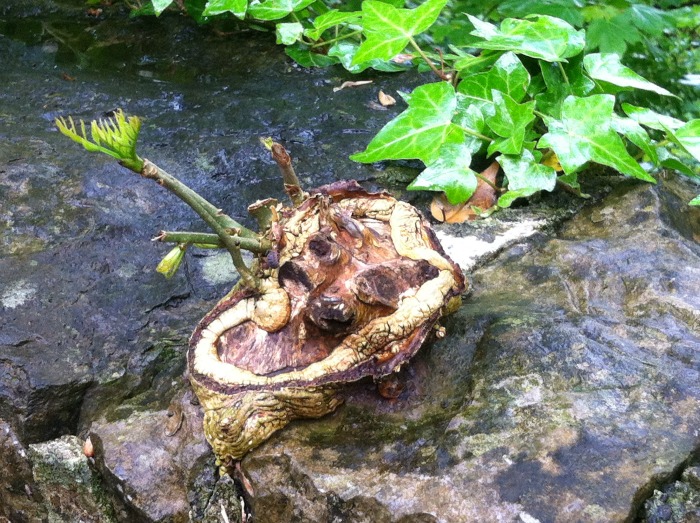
(70, 487)
(85, 322)
(540, 372)
(567, 389)
(20, 499)
(157, 461)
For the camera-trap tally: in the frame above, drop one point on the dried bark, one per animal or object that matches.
(358, 282)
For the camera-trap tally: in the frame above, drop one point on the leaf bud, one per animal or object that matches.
(169, 265)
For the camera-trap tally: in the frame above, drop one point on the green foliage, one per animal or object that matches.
(388, 30)
(585, 133)
(573, 99)
(420, 130)
(217, 7)
(518, 84)
(608, 68)
(542, 37)
(115, 137)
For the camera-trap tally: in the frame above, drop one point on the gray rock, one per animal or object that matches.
(225, 503)
(678, 502)
(71, 488)
(567, 389)
(157, 461)
(20, 498)
(691, 475)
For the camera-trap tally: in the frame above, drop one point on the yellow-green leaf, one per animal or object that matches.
(651, 119)
(330, 19)
(276, 9)
(688, 137)
(161, 5)
(510, 122)
(525, 176)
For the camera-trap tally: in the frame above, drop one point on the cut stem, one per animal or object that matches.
(191, 198)
(291, 183)
(210, 214)
(258, 246)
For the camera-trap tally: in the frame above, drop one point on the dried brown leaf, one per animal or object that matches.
(351, 84)
(485, 195)
(402, 58)
(386, 99)
(484, 198)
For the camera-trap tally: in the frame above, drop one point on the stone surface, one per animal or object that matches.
(156, 459)
(20, 499)
(225, 503)
(72, 490)
(677, 501)
(568, 387)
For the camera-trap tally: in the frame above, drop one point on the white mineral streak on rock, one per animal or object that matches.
(17, 294)
(466, 251)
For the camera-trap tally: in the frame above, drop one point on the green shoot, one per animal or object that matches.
(115, 137)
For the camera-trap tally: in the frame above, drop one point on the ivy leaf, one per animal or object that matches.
(584, 133)
(525, 177)
(695, 201)
(470, 64)
(612, 35)
(476, 91)
(389, 30)
(307, 58)
(539, 36)
(688, 137)
(568, 10)
(575, 80)
(331, 19)
(509, 76)
(160, 5)
(650, 20)
(670, 161)
(559, 87)
(608, 68)
(195, 9)
(651, 119)
(420, 130)
(345, 51)
(276, 9)
(510, 121)
(217, 7)
(636, 134)
(470, 118)
(450, 173)
(289, 33)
